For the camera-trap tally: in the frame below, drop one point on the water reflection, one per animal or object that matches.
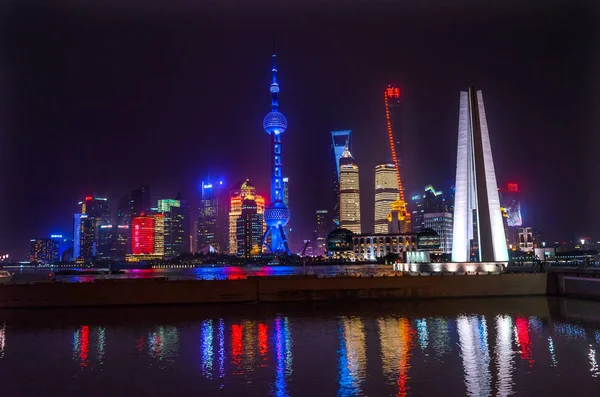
(395, 340)
(163, 344)
(472, 333)
(207, 348)
(282, 339)
(504, 355)
(84, 338)
(352, 356)
(409, 353)
(2, 339)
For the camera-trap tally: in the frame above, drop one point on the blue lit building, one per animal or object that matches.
(276, 215)
(340, 140)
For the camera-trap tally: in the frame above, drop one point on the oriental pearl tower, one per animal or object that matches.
(276, 214)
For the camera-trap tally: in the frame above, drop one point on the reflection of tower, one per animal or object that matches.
(473, 340)
(395, 336)
(349, 194)
(400, 217)
(277, 214)
(478, 228)
(352, 354)
(340, 140)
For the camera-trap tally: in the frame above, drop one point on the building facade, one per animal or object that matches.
(441, 223)
(142, 235)
(477, 216)
(174, 227)
(349, 194)
(211, 228)
(386, 193)
(369, 247)
(322, 228)
(249, 229)
(44, 250)
(340, 140)
(235, 211)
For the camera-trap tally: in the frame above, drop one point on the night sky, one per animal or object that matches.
(105, 96)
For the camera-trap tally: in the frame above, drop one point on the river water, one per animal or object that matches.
(474, 347)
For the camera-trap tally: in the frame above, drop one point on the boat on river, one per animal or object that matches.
(5, 276)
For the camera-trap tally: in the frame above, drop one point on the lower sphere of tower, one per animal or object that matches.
(275, 122)
(277, 214)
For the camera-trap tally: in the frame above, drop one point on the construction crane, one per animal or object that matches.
(399, 217)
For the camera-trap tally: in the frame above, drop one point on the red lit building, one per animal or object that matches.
(142, 235)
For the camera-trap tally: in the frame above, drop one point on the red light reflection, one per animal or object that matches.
(524, 340)
(237, 344)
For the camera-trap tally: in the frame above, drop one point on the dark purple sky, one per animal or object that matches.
(107, 96)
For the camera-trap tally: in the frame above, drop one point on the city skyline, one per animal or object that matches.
(175, 115)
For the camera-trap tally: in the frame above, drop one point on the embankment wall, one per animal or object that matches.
(267, 289)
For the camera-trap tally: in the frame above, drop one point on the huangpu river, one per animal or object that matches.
(475, 347)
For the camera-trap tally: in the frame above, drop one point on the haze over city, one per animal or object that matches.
(106, 97)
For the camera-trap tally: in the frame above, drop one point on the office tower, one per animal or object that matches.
(76, 236)
(478, 231)
(510, 201)
(121, 241)
(322, 228)
(106, 247)
(159, 235)
(340, 140)
(386, 193)
(142, 235)
(175, 220)
(211, 226)
(349, 194)
(140, 200)
(441, 223)
(44, 250)
(235, 211)
(400, 219)
(526, 239)
(431, 201)
(277, 214)
(249, 229)
(93, 213)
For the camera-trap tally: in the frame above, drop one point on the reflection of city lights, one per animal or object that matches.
(283, 354)
(440, 336)
(101, 345)
(552, 353)
(236, 344)
(504, 354)
(523, 339)
(221, 351)
(593, 363)
(571, 331)
(352, 359)
(422, 333)
(472, 333)
(2, 339)
(263, 347)
(81, 345)
(163, 344)
(207, 348)
(249, 346)
(395, 335)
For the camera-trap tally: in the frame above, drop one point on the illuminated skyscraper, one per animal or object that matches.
(175, 220)
(277, 214)
(159, 235)
(235, 211)
(349, 194)
(93, 213)
(386, 193)
(477, 216)
(322, 229)
(340, 140)
(212, 224)
(429, 202)
(44, 250)
(142, 235)
(400, 219)
(249, 229)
